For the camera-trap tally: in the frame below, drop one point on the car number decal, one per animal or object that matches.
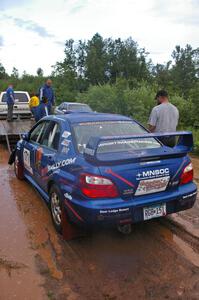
(26, 160)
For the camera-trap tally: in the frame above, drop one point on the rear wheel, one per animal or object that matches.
(56, 208)
(18, 168)
(60, 217)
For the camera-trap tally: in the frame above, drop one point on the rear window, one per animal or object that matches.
(80, 107)
(83, 132)
(19, 97)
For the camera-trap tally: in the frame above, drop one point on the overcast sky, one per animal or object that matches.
(32, 32)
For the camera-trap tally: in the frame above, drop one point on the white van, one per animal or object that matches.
(21, 105)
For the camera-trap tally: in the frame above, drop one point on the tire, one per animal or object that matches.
(61, 221)
(18, 168)
(56, 208)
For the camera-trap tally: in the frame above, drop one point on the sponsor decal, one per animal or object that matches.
(68, 196)
(174, 183)
(26, 160)
(114, 211)
(62, 163)
(66, 134)
(129, 142)
(65, 149)
(152, 173)
(104, 122)
(65, 143)
(189, 196)
(150, 162)
(128, 192)
(38, 157)
(89, 151)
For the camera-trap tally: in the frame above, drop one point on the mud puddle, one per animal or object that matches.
(18, 276)
(154, 262)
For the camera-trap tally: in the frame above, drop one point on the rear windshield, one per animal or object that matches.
(83, 132)
(80, 107)
(19, 97)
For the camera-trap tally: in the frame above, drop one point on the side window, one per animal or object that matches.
(4, 97)
(36, 134)
(61, 106)
(51, 136)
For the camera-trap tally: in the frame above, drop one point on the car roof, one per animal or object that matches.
(17, 92)
(78, 117)
(73, 103)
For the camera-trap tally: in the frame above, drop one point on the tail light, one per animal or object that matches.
(94, 186)
(187, 175)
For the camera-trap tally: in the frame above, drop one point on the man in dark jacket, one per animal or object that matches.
(46, 95)
(10, 99)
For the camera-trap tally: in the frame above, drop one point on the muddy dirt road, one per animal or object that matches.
(157, 261)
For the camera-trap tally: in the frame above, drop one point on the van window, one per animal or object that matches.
(19, 97)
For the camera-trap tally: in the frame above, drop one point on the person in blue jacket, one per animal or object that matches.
(10, 99)
(46, 95)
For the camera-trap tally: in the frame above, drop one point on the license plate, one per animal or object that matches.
(154, 211)
(150, 186)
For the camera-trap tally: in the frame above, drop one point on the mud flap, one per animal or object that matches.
(12, 156)
(69, 231)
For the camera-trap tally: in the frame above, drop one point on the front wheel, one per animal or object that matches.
(18, 168)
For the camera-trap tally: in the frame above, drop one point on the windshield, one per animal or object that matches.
(19, 97)
(83, 132)
(81, 107)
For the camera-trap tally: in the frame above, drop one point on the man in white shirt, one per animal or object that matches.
(164, 117)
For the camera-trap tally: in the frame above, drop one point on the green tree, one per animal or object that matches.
(3, 74)
(15, 73)
(96, 60)
(183, 73)
(40, 72)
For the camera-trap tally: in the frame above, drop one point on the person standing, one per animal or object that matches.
(164, 117)
(46, 95)
(34, 106)
(10, 99)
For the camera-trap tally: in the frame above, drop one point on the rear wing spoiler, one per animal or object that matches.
(182, 147)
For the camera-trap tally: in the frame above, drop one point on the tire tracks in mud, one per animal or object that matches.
(182, 233)
(176, 239)
(10, 266)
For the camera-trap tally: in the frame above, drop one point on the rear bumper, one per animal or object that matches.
(114, 212)
(17, 111)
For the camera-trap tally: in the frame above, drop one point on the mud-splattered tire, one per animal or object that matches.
(18, 168)
(60, 217)
(56, 207)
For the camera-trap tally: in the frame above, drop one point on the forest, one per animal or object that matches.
(116, 75)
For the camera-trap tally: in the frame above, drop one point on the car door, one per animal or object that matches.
(47, 154)
(31, 146)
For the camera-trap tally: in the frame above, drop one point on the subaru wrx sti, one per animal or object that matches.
(105, 169)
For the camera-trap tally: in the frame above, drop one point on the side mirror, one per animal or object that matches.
(25, 136)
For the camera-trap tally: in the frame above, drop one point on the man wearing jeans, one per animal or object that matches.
(164, 118)
(47, 97)
(10, 102)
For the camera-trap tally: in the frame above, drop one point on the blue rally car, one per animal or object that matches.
(105, 169)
